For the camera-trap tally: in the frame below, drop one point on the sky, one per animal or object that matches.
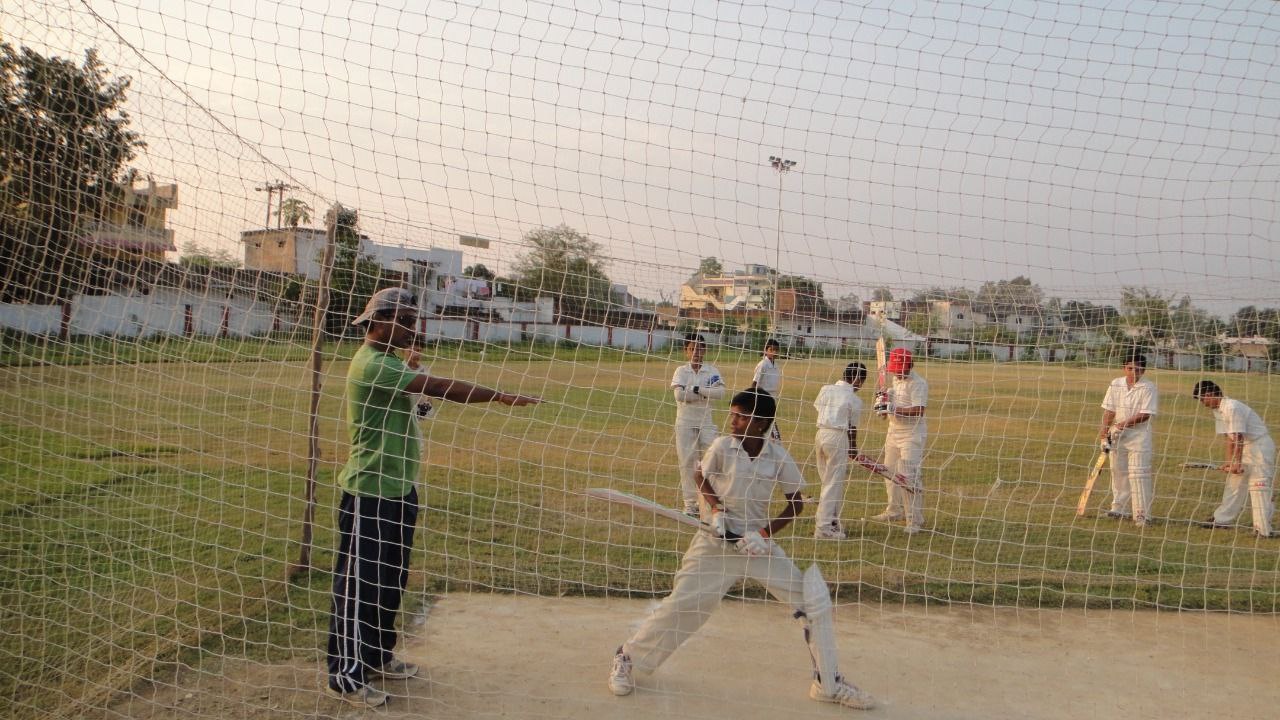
(1088, 146)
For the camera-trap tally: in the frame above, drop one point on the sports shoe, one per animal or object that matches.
(1117, 515)
(365, 696)
(397, 669)
(1212, 524)
(846, 694)
(691, 509)
(1264, 536)
(886, 517)
(912, 529)
(1141, 523)
(830, 531)
(620, 681)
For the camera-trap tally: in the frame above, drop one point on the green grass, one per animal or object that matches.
(152, 506)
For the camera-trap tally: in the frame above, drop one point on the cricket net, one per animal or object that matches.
(1020, 194)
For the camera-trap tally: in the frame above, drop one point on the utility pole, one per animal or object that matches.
(272, 189)
(783, 166)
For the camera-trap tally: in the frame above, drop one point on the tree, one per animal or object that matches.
(1193, 325)
(881, 294)
(710, 267)
(196, 255)
(1080, 315)
(1018, 294)
(64, 144)
(478, 271)
(1250, 321)
(1146, 312)
(563, 263)
(355, 277)
(294, 211)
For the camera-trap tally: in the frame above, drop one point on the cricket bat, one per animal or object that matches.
(1199, 465)
(882, 359)
(883, 471)
(1083, 503)
(635, 501)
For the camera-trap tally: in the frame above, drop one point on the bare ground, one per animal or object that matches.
(501, 656)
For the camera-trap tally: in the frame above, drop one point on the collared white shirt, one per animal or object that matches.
(695, 409)
(1126, 402)
(768, 377)
(746, 485)
(1233, 416)
(838, 406)
(911, 391)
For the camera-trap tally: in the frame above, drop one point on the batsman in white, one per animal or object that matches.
(737, 479)
(695, 385)
(836, 443)
(904, 405)
(768, 377)
(1127, 409)
(1250, 459)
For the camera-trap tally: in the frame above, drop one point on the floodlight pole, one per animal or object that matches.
(783, 166)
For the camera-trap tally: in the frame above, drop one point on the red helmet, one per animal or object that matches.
(899, 360)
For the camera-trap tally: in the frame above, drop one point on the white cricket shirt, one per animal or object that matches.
(694, 409)
(768, 377)
(1233, 416)
(838, 406)
(911, 391)
(746, 485)
(1127, 402)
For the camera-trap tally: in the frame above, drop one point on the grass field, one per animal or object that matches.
(153, 503)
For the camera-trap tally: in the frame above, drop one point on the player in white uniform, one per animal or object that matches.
(768, 377)
(836, 443)
(738, 477)
(1250, 459)
(695, 385)
(1128, 407)
(908, 396)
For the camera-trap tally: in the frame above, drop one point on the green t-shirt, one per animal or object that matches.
(385, 451)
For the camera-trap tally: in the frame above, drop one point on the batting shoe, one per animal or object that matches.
(1117, 515)
(1213, 524)
(620, 681)
(397, 669)
(363, 696)
(912, 529)
(887, 516)
(846, 694)
(829, 531)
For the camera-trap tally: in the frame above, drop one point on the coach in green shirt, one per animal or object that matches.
(379, 506)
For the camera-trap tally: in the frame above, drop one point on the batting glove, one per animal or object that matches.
(719, 523)
(754, 544)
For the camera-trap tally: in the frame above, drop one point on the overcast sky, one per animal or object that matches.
(1086, 145)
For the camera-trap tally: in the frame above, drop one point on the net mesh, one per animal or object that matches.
(1021, 195)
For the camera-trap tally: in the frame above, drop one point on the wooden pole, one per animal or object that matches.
(317, 377)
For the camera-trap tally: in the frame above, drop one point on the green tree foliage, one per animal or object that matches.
(563, 263)
(881, 294)
(355, 277)
(710, 267)
(64, 144)
(1251, 321)
(1146, 312)
(1193, 326)
(478, 271)
(294, 211)
(1008, 295)
(196, 255)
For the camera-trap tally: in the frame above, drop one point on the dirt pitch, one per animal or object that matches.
(501, 656)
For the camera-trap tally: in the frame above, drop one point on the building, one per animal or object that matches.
(954, 316)
(739, 290)
(134, 224)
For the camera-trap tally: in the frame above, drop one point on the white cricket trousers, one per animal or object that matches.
(1132, 478)
(691, 443)
(710, 567)
(904, 455)
(1258, 461)
(832, 447)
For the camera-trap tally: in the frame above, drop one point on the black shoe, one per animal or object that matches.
(1212, 524)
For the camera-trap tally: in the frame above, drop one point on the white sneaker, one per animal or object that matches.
(886, 517)
(397, 669)
(830, 531)
(366, 696)
(620, 681)
(912, 529)
(846, 694)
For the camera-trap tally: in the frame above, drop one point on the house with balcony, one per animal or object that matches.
(133, 224)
